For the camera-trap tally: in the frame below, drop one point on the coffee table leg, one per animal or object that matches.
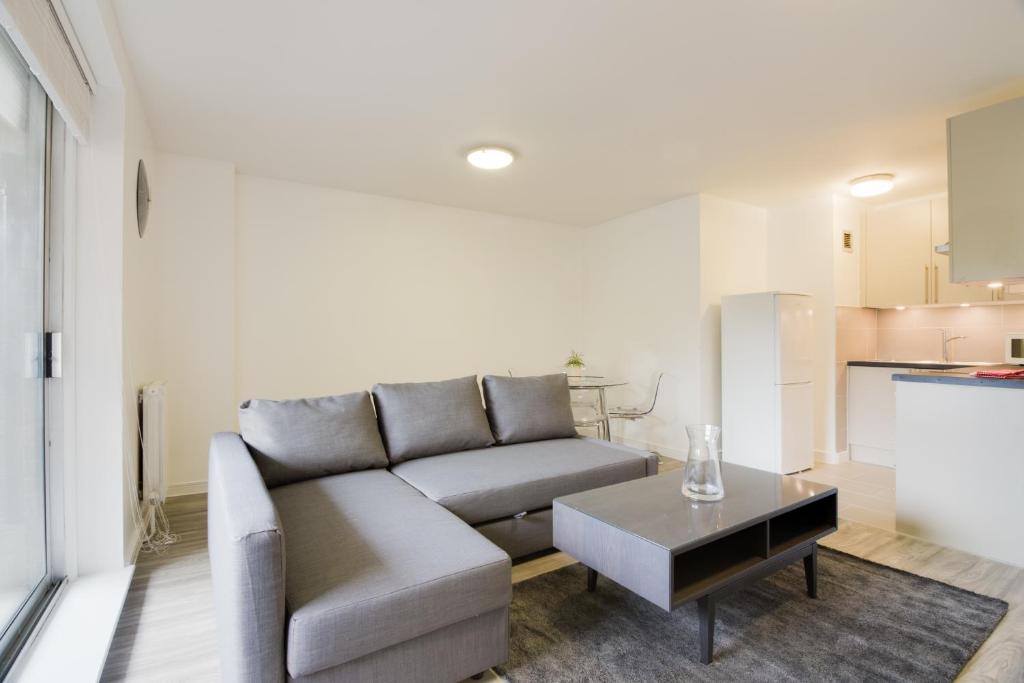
(811, 571)
(706, 616)
(591, 580)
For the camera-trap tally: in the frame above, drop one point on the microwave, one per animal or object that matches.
(1015, 348)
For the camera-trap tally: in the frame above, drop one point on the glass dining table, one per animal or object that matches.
(597, 384)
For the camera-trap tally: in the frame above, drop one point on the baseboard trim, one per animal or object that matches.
(667, 451)
(186, 488)
(830, 457)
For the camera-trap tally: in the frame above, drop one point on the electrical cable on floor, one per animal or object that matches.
(159, 534)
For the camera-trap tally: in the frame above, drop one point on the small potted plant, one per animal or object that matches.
(574, 365)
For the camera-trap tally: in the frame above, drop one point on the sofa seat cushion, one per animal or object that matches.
(370, 562)
(501, 481)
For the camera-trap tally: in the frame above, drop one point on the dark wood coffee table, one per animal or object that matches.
(648, 537)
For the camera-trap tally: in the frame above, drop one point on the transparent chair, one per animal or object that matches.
(589, 410)
(594, 417)
(637, 412)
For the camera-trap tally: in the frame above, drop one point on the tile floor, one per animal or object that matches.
(867, 493)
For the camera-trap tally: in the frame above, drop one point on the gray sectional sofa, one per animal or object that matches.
(353, 544)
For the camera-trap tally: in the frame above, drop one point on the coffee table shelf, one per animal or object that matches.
(801, 525)
(697, 571)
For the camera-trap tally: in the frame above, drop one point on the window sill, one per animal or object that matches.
(73, 641)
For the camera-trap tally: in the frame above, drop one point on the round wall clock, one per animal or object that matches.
(142, 198)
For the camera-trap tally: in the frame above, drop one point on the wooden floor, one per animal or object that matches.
(167, 632)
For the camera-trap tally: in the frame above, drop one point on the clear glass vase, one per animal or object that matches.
(702, 478)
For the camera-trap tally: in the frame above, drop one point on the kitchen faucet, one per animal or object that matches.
(945, 343)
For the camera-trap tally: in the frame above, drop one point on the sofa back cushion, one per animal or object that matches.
(311, 437)
(429, 418)
(524, 409)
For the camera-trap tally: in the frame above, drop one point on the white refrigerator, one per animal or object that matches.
(767, 388)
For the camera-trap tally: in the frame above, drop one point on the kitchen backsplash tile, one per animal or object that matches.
(856, 344)
(848, 317)
(919, 343)
(1013, 318)
(916, 333)
(980, 344)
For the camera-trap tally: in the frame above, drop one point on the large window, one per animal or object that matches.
(26, 578)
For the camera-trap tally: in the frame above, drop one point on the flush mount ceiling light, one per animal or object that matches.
(490, 158)
(871, 185)
(995, 285)
(901, 308)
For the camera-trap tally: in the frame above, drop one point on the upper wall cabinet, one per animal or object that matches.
(897, 265)
(901, 267)
(943, 290)
(986, 192)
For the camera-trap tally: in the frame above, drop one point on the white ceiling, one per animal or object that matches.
(613, 105)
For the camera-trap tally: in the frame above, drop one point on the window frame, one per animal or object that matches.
(58, 158)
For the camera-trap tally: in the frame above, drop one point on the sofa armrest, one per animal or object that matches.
(247, 562)
(650, 459)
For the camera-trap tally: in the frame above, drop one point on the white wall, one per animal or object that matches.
(141, 289)
(339, 290)
(848, 216)
(99, 522)
(641, 291)
(733, 240)
(195, 309)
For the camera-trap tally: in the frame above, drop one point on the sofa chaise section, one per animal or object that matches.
(354, 577)
(371, 563)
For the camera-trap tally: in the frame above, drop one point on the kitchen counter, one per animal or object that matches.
(964, 377)
(916, 364)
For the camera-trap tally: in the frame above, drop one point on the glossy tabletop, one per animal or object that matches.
(595, 383)
(655, 509)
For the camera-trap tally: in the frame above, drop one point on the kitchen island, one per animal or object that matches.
(960, 462)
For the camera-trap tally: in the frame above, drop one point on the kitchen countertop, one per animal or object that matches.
(963, 377)
(917, 364)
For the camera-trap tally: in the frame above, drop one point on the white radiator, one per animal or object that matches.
(154, 442)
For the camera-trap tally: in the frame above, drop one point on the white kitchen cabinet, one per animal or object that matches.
(871, 414)
(901, 267)
(897, 264)
(1013, 292)
(986, 174)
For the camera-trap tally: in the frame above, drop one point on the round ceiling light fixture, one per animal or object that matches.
(995, 285)
(490, 158)
(871, 185)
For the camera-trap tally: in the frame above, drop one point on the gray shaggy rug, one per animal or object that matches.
(869, 623)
